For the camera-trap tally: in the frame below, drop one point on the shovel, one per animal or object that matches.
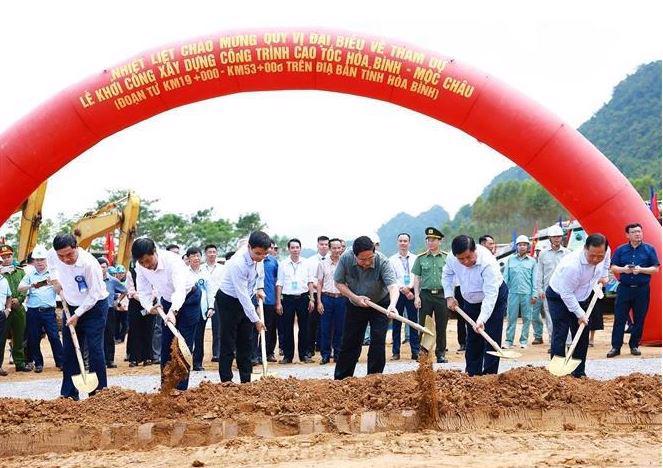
(427, 336)
(560, 366)
(181, 344)
(499, 352)
(259, 375)
(84, 382)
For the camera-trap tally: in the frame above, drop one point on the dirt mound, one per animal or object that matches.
(524, 388)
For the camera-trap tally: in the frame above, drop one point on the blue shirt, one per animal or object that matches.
(643, 255)
(38, 297)
(271, 271)
(113, 286)
(519, 275)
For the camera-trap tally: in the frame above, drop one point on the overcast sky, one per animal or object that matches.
(567, 55)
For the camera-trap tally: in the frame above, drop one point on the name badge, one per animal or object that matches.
(406, 279)
(294, 284)
(82, 285)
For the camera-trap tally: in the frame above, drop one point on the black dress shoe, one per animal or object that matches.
(461, 349)
(285, 361)
(147, 362)
(3, 372)
(215, 359)
(395, 357)
(111, 365)
(442, 360)
(133, 363)
(415, 357)
(39, 369)
(613, 352)
(271, 358)
(635, 351)
(324, 361)
(23, 369)
(306, 360)
(198, 368)
(30, 366)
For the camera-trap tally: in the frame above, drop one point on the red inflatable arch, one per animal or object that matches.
(554, 153)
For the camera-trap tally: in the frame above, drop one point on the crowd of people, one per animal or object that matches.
(335, 301)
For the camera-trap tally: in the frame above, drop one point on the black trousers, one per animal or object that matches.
(629, 298)
(313, 332)
(435, 304)
(477, 361)
(109, 336)
(139, 339)
(461, 324)
(236, 329)
(356, 321)
(216, 332)
(199, 342)
(564, 320)
(295, 306)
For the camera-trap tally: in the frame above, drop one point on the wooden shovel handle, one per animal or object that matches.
(74, 337)
(400, 318)
(170, 324)
(483, 333)
(263, 341)
(582, 326)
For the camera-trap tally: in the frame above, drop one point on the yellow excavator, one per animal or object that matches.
(108, 218)
(91, 226)
(31, 218)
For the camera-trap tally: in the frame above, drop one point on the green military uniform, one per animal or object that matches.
(15, 324)
(428, 267)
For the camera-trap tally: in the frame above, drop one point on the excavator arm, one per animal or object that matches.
(31, 218)
(108, 218)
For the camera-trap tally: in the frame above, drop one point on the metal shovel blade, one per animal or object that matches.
(561, 366)
(505, 354)
(428, 337)
(85, 382)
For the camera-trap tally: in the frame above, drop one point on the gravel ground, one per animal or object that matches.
(602, 369)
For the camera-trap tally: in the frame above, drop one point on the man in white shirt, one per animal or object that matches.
(238, 315)
(294, 298)
(568, 295)
(206, 304)
(313, 328)
(165, 272)
(331, 304)
(77, 277)
(484, 296)
(402, 262)
(215, 271)
(547, 262)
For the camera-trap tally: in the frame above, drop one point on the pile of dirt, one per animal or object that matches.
(175, 370)
(524, 388)
(428, 405)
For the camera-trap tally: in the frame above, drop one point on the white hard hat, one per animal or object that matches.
(39, 252)
(522, 239)
(555, 231)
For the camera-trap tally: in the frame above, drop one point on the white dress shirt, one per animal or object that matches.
(574, 278)
(82, 283)
(313, 264)
(239, 281)
(172, 280)
(399, 262)
(547, 262)
(479, 283)
(203, 280)
(215, 274)
(294, 277)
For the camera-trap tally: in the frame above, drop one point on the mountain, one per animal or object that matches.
(414, 225)
(627, 129)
